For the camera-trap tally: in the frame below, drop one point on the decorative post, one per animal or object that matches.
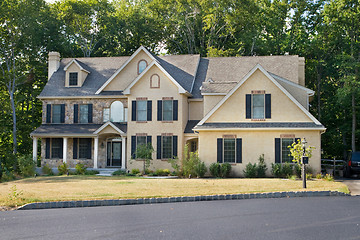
(35, 147)
(65, 141)
(303, 160)
(96, 151)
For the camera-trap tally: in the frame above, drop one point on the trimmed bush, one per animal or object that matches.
(215, 169)
(80, 169)
(250, 170)
(200, 169)
(91, 172)
(63, 169)
(46, 170)
(225, 170)
(119, 172)
(135, 171)
(282, 170)
(261, 168)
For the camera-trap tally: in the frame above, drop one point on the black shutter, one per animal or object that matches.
(133, 111)
(133, 146)
(48, 113)
(158, 147)
(175, 145)
(219, 150)
(248, 106)
(90, 113)
(75, 148)
(61, 148)
(149, 110)
(148, 139)
(238, 150)
(89, 149)
(277, 150)
(47, 148)
(175, 110)
(76, 113)
(62, 113)
(267, 105)
(159, 110)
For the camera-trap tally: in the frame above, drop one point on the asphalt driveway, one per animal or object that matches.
(353, 185)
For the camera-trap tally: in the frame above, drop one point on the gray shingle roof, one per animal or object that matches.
(260, 125)
(71, 129)
(190, 125)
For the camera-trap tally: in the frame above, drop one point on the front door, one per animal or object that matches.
(114, 154)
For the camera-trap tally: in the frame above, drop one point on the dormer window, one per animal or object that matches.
(141, 66)
(73, 79)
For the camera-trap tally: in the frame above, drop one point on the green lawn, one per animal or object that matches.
(62, 188)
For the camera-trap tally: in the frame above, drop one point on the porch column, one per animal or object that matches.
(96, 150)
(65, 149)
(123, 152)
(35, 146)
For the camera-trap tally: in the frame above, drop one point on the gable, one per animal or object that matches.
(142, 87)
(284, 107)
(75, 67)
(120, 80)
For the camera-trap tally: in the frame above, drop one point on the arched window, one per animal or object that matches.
(155, 81)
(141, 66)
(117, 112)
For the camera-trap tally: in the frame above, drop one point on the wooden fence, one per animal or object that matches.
(333, 167)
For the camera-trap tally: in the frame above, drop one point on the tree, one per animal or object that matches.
(144, 152)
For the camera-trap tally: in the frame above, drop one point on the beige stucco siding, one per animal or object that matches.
(196, 110)
(127, 74)
(210, 101)
(255, 143)
(282, 108)
(81, 74)
(155, 128)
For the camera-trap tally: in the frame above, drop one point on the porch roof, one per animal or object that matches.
(190, 125)
(64, 130)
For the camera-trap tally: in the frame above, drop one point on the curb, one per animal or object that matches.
(119, 202)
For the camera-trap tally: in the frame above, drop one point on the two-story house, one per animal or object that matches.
(96, 111)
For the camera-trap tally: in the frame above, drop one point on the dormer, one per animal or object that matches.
(75, 74)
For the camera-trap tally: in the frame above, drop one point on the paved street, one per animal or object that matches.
(286, 218)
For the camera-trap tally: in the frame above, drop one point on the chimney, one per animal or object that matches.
(54, 63)
(301, 71)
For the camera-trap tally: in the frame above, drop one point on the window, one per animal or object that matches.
(258, 106)
(117, 112)
(141, 111)
(83, 113)
(73, 79)
(229, 149)
(285, 150)
(137, 141)
(106, 114)
(82, 148)
(166, 146)
(167, 110)
(155, 81)
(53, 148)
(141, 66)
(56, 113)
(193, 146)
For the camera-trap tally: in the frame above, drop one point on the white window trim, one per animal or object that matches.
(223, 152)
(252, 105)
(281, 148)
(162, 147)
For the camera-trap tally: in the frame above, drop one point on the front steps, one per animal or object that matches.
(106, 172)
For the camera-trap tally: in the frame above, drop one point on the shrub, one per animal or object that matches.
(80, 169)
(250, 170)
(309, 176)
(148, 171)
(63, 169)
(318, 176)
(215, 169)
(162, 172)
(91, 172)
(47, 170)
(144, 151)
(200, 169)
(26, 165)
(292, 177)
(166, 172)
(135, 171)
(328, 177)
(8, 176)
(119, 172)
(175, 165)
(225, 170)
(261, 168)
(281, 170)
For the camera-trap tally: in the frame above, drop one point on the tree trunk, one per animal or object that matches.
(353, 127)
(12, 101)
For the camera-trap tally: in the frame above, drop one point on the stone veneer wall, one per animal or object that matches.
(72, 162)
(98, 105)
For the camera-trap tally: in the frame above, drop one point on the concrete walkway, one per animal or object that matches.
(353, 184)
